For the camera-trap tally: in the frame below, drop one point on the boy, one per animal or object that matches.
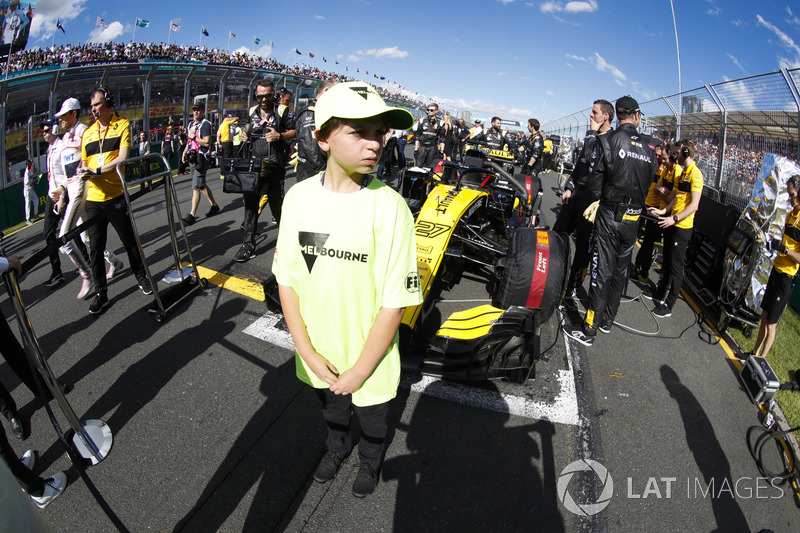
(346, 267)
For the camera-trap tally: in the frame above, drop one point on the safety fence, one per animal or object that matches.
(733, 124)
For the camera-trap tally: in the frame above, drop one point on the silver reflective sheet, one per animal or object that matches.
(768, 208)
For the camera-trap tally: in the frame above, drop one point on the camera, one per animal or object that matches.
(191, 157)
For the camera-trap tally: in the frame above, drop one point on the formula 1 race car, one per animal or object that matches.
(477, 217)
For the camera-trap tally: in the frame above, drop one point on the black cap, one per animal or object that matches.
(50, 122)
(198, 106)
(627, 104)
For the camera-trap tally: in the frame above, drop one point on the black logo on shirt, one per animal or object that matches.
(412, 282)
(312, 246)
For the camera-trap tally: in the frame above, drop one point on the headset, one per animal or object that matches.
(686, 149)
(107, 94)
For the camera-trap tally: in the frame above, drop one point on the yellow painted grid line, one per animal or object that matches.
(246, 287)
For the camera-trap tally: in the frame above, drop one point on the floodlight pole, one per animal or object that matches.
(680, 90)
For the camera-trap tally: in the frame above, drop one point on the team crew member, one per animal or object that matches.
(547, 153)
(310, 157)
(533, 148)
(224, 140)
(104, 144)
(783, 275)
(628, 162)
(166, 144)
(427, 136)
(268, 131)
(494, 137)
(583, 188)
(69, 195)
(685, 199)
(346, 267)
(652, 231)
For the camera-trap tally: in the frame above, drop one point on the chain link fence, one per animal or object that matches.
(733, 124)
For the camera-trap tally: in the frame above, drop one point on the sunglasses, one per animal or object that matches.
(429, 110)
(264, 96)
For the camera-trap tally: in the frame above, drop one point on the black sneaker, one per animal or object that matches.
(662, 311)
(99, 302)
(189, 219)
(328, 466)
(650, 294)
(55, 279)
(144, 284)
(245, 253)
(213, 211)
(605, 328)
(366, 480)
(578, 335)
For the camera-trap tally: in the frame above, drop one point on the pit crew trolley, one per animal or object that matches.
(186, 277)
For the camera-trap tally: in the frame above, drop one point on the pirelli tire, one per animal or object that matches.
(535, 271)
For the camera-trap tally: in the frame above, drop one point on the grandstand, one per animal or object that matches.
(151, 82)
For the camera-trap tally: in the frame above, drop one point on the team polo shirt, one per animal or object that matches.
(653, 200)
(791, 239)
(668, 180)
(691, 180)
(347, 256)
(224, 132)
(98, 148)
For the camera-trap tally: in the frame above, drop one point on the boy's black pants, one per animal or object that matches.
(337, 410)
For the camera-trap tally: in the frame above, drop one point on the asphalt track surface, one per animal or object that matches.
(213, 432)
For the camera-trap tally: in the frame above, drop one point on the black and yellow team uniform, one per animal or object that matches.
(311, 159)
(273, 168)
(586, 185)
(428, 132)
(534, 145)
(676, 238)
(652, 231)
(627, 162)
(105, 198)
(784, 272)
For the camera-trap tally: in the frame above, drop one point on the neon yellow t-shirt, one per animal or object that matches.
(347, 256)
(668, 180)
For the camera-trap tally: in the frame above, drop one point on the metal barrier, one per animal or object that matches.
(91, 439)
(186, 276)
(733, 124)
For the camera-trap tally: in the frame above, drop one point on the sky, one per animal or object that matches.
(511, 58)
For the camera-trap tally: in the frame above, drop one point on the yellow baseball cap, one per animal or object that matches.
(355, 100)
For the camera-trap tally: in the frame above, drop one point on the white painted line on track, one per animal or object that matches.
(563, 410)
(264, 329)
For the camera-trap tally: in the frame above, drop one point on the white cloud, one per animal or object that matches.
(792, 18)
(264, 51)
(393, 52)
(353, 57)
(550, 93)
(604, 66)
(501, 73)
(48, 11)
(583, 6)
(102, 35)
(736, 62)
(714, 11)
(786, 41)
(738, 23)
(576, 58)
(506, 2)
(319, 17)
